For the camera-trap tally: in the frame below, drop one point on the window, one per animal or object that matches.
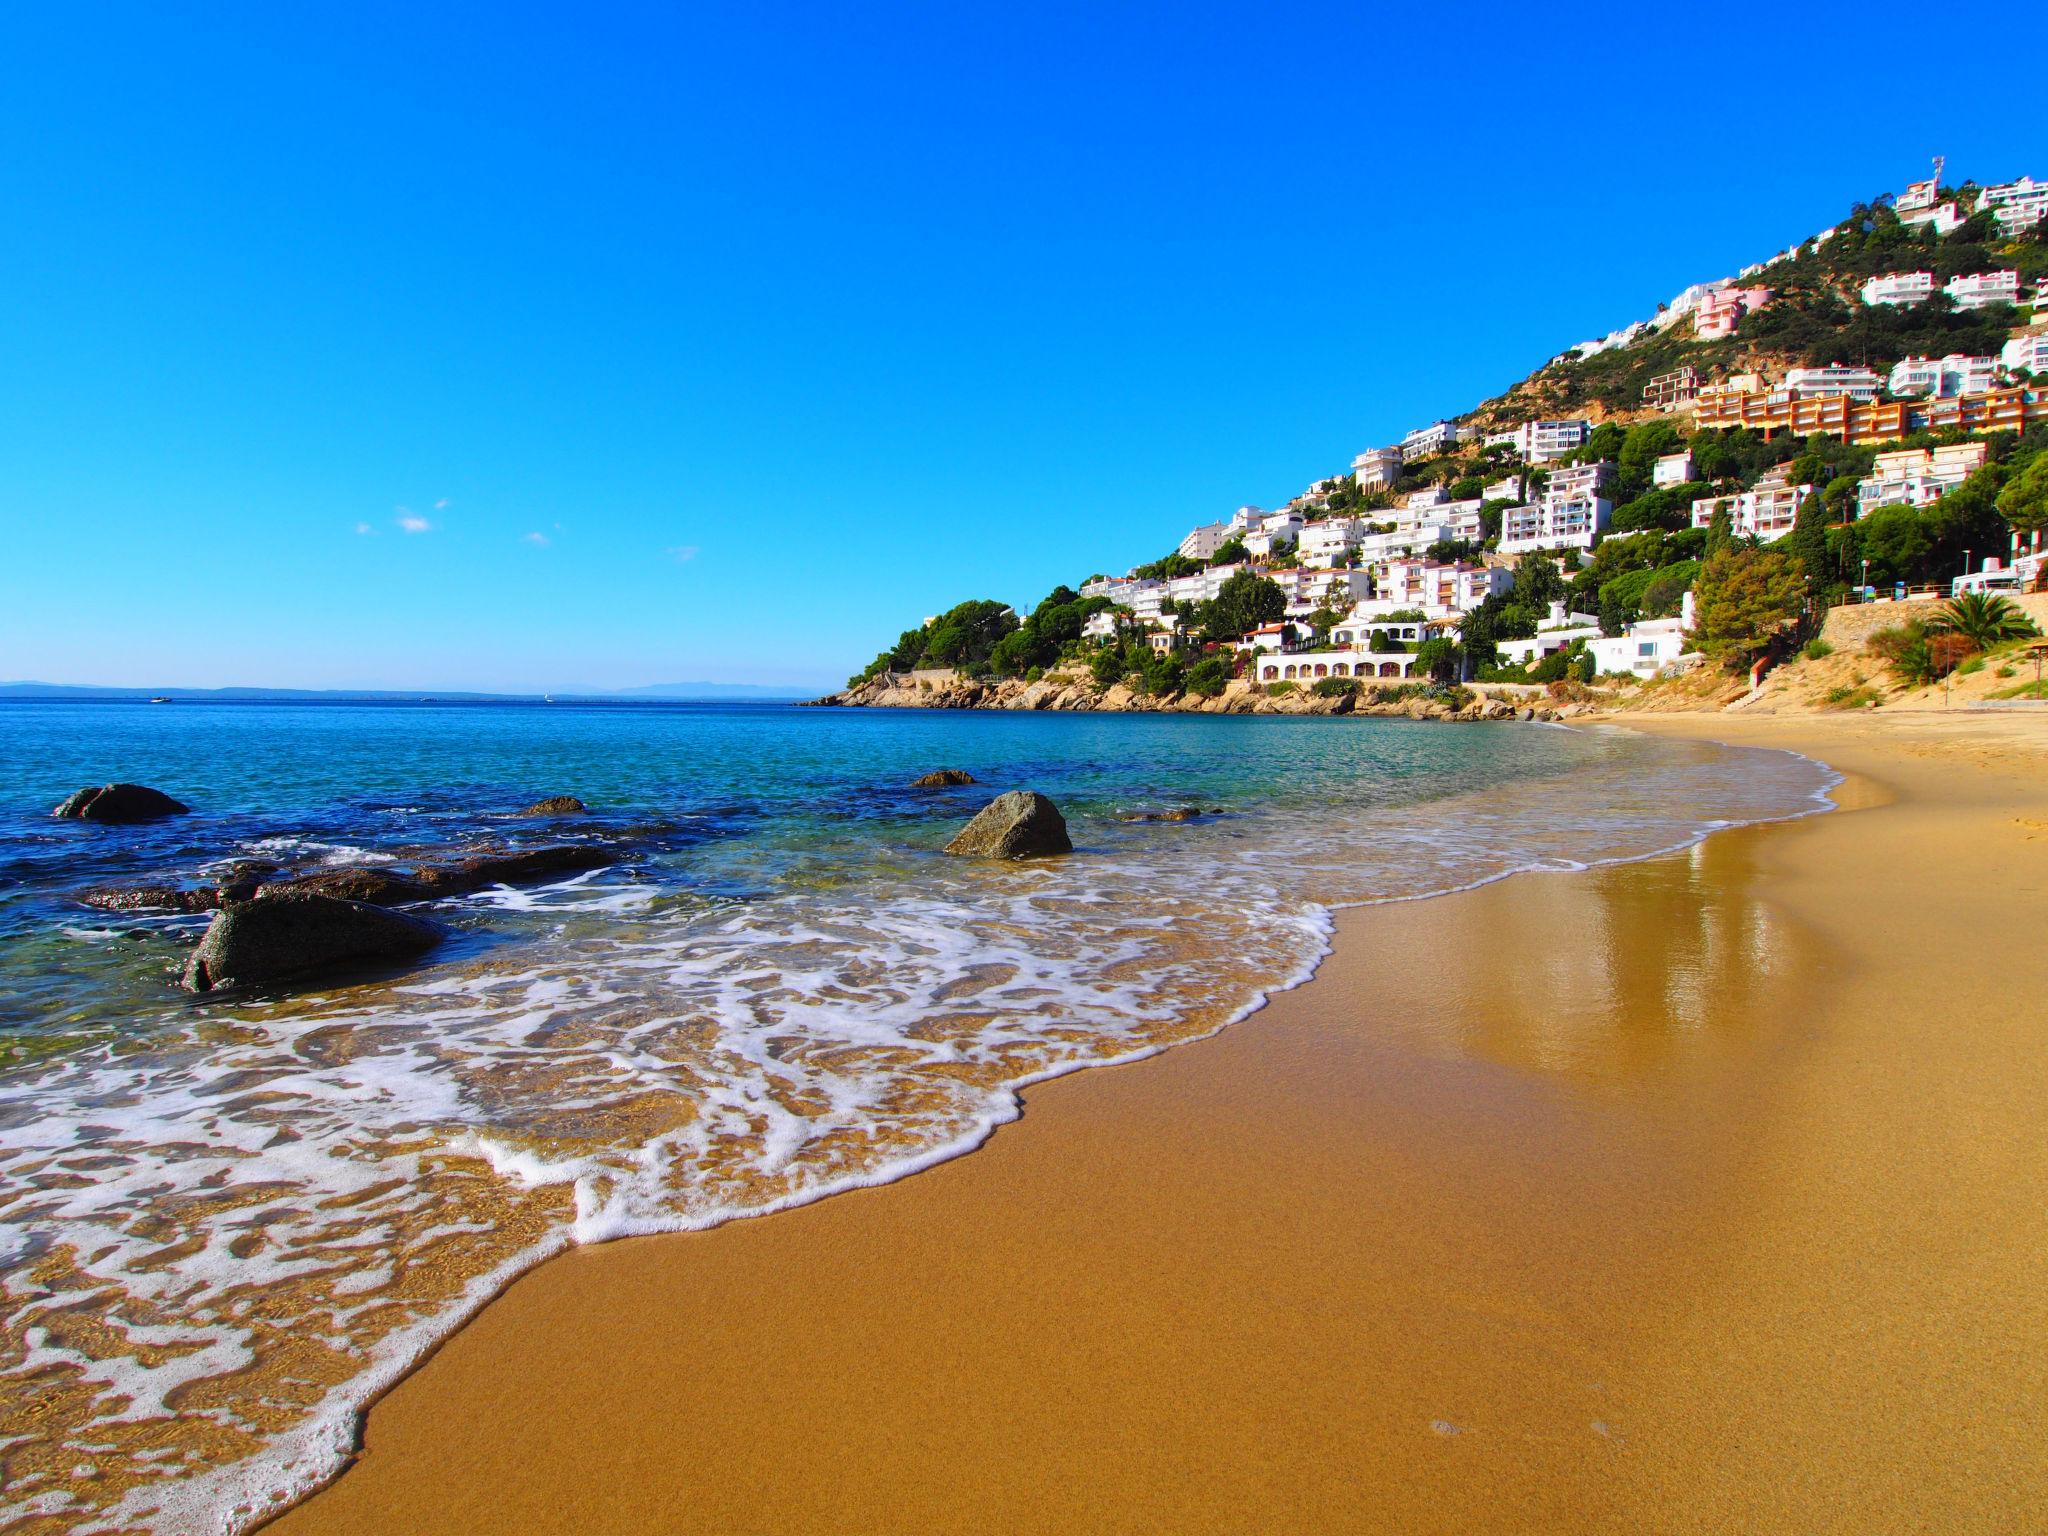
(1646, 647)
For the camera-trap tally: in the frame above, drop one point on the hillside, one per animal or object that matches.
(1600, 486)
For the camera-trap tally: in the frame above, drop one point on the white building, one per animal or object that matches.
(1542, 442)
(1943, 378)
(1327, 541)
(1204, 541)
(1436, 588)
(1377, 469)
(1432, 439)
(1899, 288)
(1644, 649)
(1570, 514)
(1556, 633)
(1913, 477)
(1980, 290)
(1672, 469)
(1945, 217)
(2017, 205)
(1383, 666)
(1766, 512)
(1918, 196)
(1833, 379)
(1509, 489)
(1099, 626)
(2029, 352)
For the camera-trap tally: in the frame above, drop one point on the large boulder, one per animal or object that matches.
(153, 898)
(556, 805)
(942, 778)
(119, 804)
(1019, 825)
(292, 936)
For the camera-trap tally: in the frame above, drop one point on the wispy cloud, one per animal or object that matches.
(412, 522)
(682, 554)
(537, 540)
(365, 528)
(441, 505)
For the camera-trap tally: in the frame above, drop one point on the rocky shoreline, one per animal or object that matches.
(1070, 690)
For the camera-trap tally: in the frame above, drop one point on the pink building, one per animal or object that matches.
(1717, 313)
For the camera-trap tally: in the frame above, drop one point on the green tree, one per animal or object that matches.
(2024, 501)
(1744, 597)
(1243, 603)
(1440, 657)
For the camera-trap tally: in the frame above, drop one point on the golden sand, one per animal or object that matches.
(1703, 1194)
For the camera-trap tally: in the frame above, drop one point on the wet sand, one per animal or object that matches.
(1703, 1194)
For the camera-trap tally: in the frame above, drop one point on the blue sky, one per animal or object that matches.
(723, 342)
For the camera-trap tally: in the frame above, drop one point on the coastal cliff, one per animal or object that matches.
(1075, 690)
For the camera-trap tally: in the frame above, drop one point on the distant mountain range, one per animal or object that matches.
(670, 692)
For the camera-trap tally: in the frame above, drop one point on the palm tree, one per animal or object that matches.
(1983, 618)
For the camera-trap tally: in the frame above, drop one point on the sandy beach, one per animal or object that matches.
(1700, 1194)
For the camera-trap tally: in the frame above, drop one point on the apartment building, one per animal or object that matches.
(1542, 442)
(2029, 352)
(1765, 512)
(1571, 513)
(1831, 379)
(1432, 439)
(1275, 531)
(1439, 588)
(1668, 391)
(1328, 541)
(1204, 541)
(2017, 205)
(1918, 196)
(1718, 313)
(1980, 290)
(1899, 288)
(1913, 477)
(1377, 469)
(1943, 378)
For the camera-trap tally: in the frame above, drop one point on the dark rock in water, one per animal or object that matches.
(556, 805)
(153, 898)
(473, 874)
(378, 887)
(295, 935)
(1178, 813)
(119, 804)
(1019, 825)
(942, 778)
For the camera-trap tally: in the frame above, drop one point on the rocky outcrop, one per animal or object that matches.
(376, 886)
(942, 778)
(1071, 690)
(556, 805)
(299, 936)
(154, 898)
(1019, 825)
(1178, 813)
(120, 805)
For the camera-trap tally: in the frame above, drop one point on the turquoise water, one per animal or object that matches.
(778, 988)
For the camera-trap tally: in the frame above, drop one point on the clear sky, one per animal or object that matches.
(601, 345)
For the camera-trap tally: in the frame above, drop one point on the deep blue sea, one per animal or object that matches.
(225, 1223)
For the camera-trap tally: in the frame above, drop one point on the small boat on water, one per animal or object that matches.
(160, 699)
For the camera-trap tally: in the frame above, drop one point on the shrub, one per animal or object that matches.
(1207, 677)
(1818, 649)
(1279, 690)
(1334, 687)
(1848, 697)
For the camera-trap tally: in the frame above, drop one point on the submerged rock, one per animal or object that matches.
(153, 898)
(556, 805)
(119, 804)
(942, 778)
(1019, 825)
(378, 887)
(1178, 813)
(473, 874)
(289, 936)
